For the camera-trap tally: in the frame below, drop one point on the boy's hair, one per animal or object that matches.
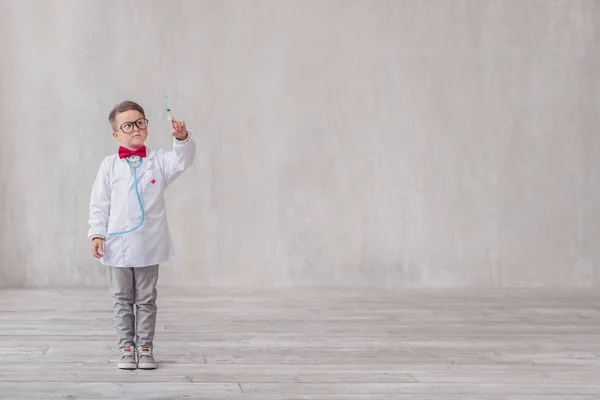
(122, 107)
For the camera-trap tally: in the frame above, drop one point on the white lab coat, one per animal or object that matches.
(114, 206)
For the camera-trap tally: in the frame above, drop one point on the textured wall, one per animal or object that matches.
(341, 142)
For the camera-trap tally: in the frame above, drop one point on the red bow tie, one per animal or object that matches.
(125, 152)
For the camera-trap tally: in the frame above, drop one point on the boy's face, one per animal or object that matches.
(128, 131)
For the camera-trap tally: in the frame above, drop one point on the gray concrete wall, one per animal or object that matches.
(448, 143)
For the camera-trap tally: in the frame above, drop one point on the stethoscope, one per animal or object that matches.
(137, 192)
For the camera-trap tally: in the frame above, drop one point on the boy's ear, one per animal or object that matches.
(116, 136)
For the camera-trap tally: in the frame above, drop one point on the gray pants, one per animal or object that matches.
(137, 286)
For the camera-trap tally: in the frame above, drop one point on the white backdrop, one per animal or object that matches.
(340, 142)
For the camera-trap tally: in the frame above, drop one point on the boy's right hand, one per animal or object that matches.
(98, 247)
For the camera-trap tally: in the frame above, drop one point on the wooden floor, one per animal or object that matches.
(342, 345)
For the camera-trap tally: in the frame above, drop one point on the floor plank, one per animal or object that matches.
(307, 344)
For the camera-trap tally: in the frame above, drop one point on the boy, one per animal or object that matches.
(128, 225)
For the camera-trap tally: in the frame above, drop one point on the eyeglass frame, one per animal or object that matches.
(134, 123)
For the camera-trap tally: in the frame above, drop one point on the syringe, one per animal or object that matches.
(168, 106)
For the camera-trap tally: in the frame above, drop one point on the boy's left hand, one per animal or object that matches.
(179, 129)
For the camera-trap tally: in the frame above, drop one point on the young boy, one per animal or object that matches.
(128, 225)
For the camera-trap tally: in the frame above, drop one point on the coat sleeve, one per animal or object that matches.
(100, 203)
(175, 162)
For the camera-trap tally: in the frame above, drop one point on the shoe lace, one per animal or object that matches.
(127, 351)
(144, 351)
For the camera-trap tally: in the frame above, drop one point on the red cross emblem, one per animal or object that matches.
(153, 181)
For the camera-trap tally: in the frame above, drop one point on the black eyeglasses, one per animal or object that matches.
(128, 127)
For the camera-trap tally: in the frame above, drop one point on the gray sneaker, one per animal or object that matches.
(145, 358)
(127, 360)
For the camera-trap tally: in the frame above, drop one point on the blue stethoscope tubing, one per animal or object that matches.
(137, 192)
